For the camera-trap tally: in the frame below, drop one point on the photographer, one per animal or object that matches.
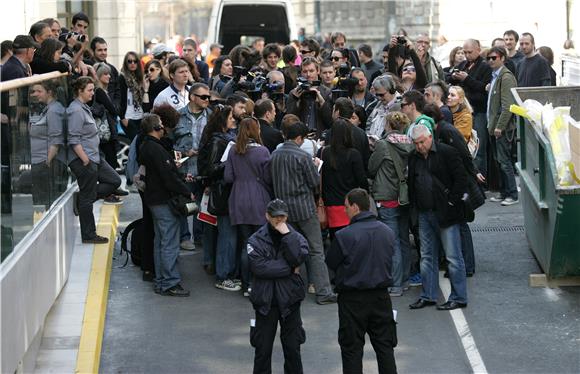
(310, 101)
(275, 92)
(405, 63)
(162, 183)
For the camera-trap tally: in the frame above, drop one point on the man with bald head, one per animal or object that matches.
(276, 78)
(474, 76)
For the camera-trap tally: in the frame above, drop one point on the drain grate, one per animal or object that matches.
(476, 228)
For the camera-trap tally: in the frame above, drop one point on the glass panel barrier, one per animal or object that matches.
(34, 153)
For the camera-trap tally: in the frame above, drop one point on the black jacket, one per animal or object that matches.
(273, 270)
(350, 173)
(162, 180)
(271, 137)
(444, 164)
(210, 154)
(155, 89)
(361, 255)
(479, 75)
(447, 134)
(41, 66)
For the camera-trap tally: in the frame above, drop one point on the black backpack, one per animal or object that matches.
(133, 233)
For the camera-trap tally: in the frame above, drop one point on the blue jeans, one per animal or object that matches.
(225, 261)
(480, 126)
(467, 248)
(393, 218)
(166, 247)
(506, 168)
(430, 233)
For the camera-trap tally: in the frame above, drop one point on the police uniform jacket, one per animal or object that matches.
(361, 255)
(273, 270)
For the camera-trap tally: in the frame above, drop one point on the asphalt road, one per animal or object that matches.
(514, 328)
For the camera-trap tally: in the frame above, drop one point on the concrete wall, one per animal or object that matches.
(30, 280)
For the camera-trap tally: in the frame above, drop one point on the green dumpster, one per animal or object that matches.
(551, 211)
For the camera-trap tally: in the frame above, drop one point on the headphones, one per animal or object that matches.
(392, 89)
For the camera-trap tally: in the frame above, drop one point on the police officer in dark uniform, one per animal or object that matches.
(361, 256)
(276, 252)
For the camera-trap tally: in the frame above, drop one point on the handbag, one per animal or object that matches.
(475, 195)
(403, 186)
(219, 194)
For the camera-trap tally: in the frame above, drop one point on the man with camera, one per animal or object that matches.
(310, 101)
(275, 92)
(162, 184)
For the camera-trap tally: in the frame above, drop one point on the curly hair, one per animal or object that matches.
(398, 121)
(169, 116)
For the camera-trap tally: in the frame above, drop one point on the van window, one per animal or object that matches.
(240, 23)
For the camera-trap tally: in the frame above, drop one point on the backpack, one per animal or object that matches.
(134, 234)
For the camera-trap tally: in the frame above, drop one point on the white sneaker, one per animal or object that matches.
(509, 201)
(311, 289)
(496, 199)
(228, 285)
(187, 245)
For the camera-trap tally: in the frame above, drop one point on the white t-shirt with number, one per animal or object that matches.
(172, 96)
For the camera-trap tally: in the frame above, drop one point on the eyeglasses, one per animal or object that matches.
(203, 97)
(152, 70)
(335, 58)
(377, 94)
(131, 61)
(409, 68)
(492, 58)
(305, 51)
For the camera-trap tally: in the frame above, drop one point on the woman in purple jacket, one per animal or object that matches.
(247, 167)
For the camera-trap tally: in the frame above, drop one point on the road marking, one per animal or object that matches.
(463, 330)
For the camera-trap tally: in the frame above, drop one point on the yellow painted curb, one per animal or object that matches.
(89, 354)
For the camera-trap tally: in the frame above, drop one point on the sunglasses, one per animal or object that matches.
(131, 61)
(380, 94)
(305, 51)
(203, 97)
(409, 68)
(491, 58)
(335, 58)
(152, 70)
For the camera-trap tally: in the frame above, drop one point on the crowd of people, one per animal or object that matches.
(367, 173)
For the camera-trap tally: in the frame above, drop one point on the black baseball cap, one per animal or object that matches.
(24, 41)
(277, 208)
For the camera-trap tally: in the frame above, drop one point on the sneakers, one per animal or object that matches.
(496, 199)
(311, 289)
(112, 200)
(176, 290)
(228, 285)
(509, 201)
(96, 240)
(120, 192)
(237, 281)
(187, 245)
(415, 280)
(395, 291)
(328, 299)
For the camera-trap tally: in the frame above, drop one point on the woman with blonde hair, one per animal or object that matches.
(105, 114)
(247, 168)
(461, 110)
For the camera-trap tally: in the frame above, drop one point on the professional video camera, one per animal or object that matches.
(306, 86)
(253, 85)
(344, 84)
(273, 90)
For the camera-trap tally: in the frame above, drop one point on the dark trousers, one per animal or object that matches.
(371, 312)
(147, 262)
(109, 149)
(292, 336)
(95, 182)
(132, 129)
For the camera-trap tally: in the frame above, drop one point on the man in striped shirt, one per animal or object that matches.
(295, 177)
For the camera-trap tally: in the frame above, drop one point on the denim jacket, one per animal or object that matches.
(188, 134)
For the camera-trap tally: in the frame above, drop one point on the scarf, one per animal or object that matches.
(136, 89)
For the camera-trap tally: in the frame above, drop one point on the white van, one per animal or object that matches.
(236, 22)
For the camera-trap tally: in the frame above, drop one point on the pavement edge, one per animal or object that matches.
(89, 353)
